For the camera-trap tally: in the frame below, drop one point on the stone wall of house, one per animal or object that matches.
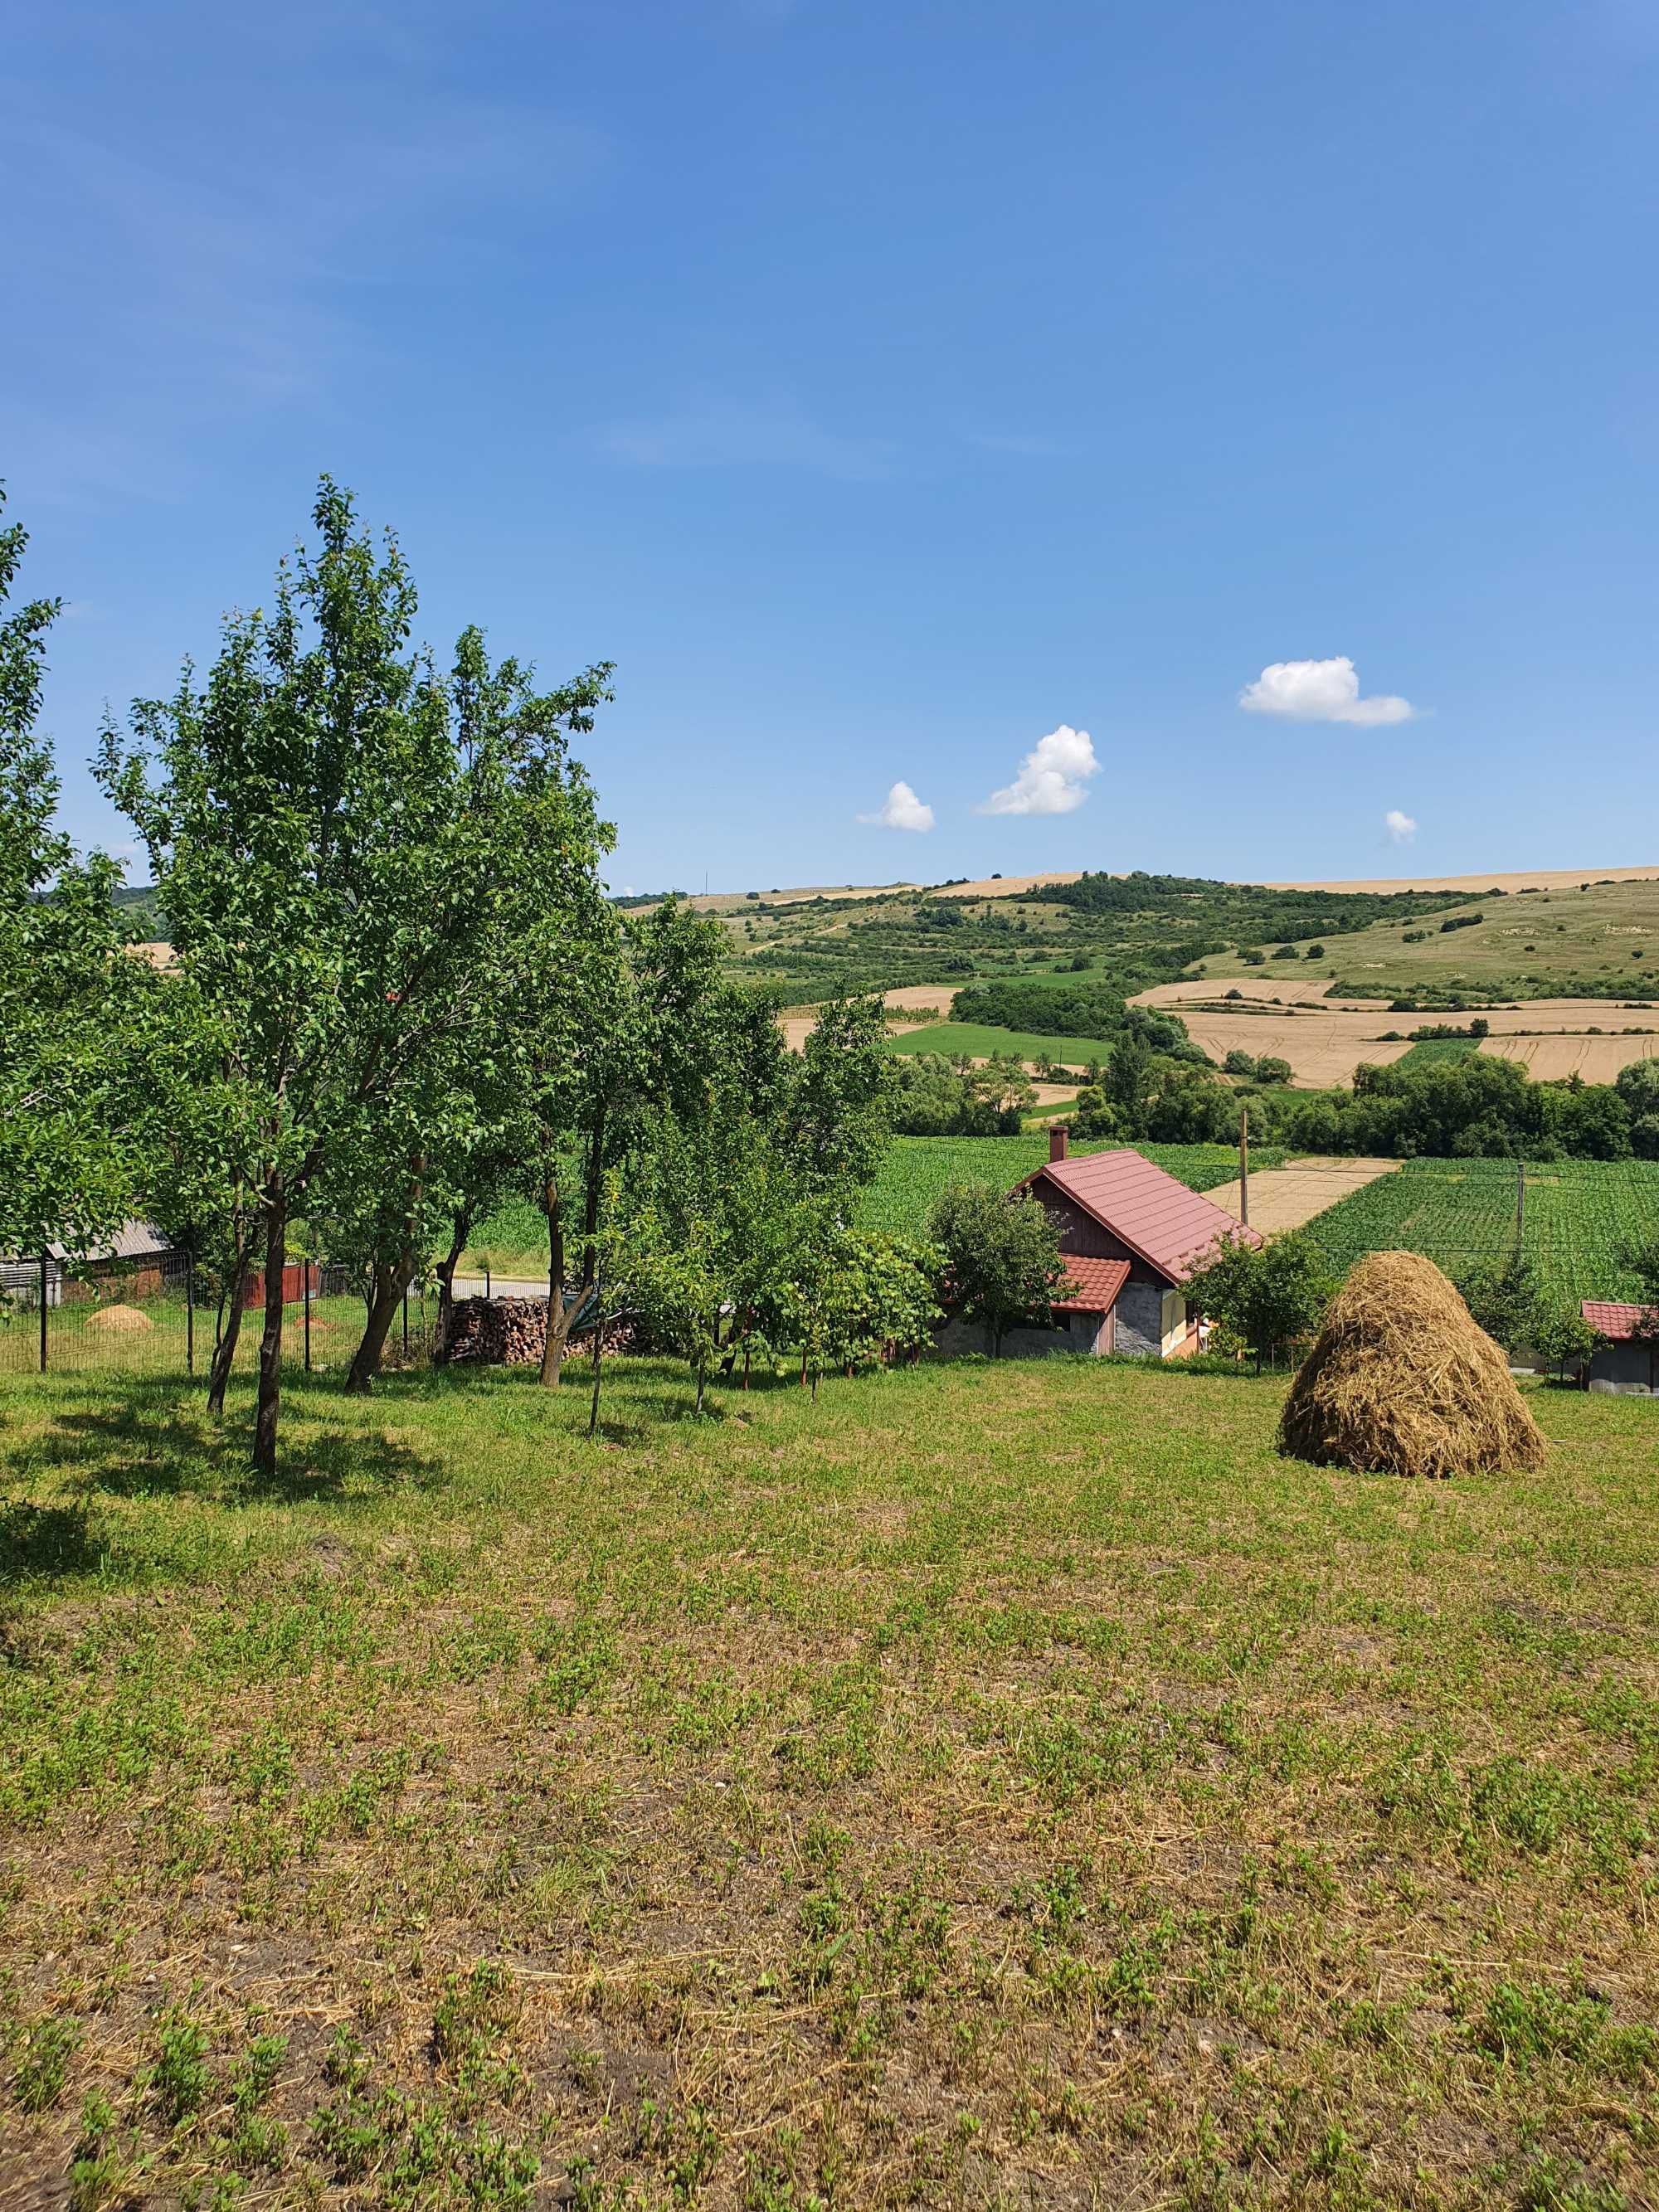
(1140, 1311)
(1074, 1332)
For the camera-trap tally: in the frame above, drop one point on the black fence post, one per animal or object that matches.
(405, 1321)
(45, 1264)
(305, 1280)
(189, 1315)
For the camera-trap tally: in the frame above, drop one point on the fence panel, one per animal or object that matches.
(162, 1315)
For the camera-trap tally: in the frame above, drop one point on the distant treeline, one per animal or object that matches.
(1247, 910)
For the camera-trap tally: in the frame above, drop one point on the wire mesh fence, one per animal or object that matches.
(166, 1315)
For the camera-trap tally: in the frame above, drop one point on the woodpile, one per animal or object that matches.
(513, 1333)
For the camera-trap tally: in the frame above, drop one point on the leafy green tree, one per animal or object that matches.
(330, 829)
(1263, 1296)
(1130, 1081)
(70, 1162)
(1563, 1336)
(1001, 1259)
(1505, 1298)
(1095, 1117)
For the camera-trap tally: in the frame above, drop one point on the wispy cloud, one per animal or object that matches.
(1321, 691)
(173, 291)
(900, 810)
(1400, 827)
(726, 433)
(1051, 776)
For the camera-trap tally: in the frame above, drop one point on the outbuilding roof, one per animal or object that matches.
(1168, 1225)
(1098, 1283)
(1617, 1321)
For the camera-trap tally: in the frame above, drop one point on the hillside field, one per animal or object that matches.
(1602, 940)
(985, 1785)
(1580, 1216)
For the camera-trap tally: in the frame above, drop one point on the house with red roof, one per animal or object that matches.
(1627, 1360)
(1131, 1235)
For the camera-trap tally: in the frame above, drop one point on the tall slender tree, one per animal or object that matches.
(329, 826)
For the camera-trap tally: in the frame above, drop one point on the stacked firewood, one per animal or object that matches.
(513, 1333)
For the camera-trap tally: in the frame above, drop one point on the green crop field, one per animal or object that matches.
(1428, 1050)
(985, 1784)
(917, 1168)
(1581, 1215)
(981, 1042)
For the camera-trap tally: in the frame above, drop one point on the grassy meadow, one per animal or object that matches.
(1602, 940)
(980, 1040)
(986, 1786)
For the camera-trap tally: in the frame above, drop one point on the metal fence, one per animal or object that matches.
(163, 1314)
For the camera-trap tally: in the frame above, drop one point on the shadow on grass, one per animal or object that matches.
(160, 1441)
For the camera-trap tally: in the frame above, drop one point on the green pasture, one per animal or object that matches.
(978, 1784)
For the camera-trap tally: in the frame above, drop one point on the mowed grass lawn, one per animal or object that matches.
(989, 1786)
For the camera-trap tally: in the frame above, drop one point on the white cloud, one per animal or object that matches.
(1321, 691)
(902, 811)
(1400, 827)
(1051, 776)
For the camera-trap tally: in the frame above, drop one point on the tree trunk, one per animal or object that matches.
(446, 1266)
(558, 1321)
(390, 1284)
(270, 1343)
(224, 1351)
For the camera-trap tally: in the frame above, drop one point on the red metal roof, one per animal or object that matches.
(1617, 1321)
(1169, 1225)
(1098, 1282)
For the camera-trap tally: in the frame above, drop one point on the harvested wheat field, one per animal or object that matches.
(1286, 1197)
(1328, 1038)
(1593, 1058)
(1401, 1381)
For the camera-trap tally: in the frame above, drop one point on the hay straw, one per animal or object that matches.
(1402, 1382)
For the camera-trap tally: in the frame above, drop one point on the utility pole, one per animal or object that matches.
(1243, 1167)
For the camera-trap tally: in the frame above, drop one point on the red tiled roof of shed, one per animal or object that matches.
(1618, 1322)
(1098, 1281)
(1151, 1212)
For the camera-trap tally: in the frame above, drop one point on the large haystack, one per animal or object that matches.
(1402, 1382)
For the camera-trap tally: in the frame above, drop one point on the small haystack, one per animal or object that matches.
(1402, 1382)
(119, 1321)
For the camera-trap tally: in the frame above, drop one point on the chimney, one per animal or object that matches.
(1059, 1137)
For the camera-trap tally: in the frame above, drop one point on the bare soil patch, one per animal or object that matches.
(1285, 1198)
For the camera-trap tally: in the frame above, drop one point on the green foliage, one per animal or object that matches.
(1002, 1263)
(935, 1097)
(1506, 1298)
(1082, 1010)
(335, 831)
(73, 1009)
(1265, 1296)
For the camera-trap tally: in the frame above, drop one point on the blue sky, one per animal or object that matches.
(885, 388)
